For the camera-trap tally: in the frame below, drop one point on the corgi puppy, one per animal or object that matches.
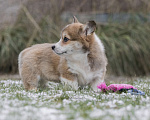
(78, 59)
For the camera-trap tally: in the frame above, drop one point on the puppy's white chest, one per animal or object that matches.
(80, 66)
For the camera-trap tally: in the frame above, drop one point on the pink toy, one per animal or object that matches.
(115, 87)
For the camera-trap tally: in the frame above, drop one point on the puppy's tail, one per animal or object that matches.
(20, 63)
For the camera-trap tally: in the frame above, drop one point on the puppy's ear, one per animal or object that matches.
(89, 28)
(75, 20)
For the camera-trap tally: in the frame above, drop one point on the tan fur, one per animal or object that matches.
(38, 60)
(39, 63)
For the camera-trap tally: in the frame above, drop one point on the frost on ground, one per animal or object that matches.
(59, 102)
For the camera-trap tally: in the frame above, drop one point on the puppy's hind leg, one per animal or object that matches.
(43, 83)
(30, 79)
(30, 82)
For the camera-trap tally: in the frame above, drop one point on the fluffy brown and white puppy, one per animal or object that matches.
(78, 59)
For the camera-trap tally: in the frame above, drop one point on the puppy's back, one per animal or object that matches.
(38, 60)
(31, 53)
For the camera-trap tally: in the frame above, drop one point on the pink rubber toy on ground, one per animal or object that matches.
(115, 87)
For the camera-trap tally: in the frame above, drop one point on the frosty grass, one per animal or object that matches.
(61, 103)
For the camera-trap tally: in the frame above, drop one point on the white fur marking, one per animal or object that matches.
(79, 65)
(99, 42)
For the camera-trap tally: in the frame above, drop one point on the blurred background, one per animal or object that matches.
(122, 25)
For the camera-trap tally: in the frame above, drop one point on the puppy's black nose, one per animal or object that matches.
(53, 47)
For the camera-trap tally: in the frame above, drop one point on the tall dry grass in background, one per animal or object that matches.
(126, 44)
(127, 48)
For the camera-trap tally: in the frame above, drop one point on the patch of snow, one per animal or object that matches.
(20, 104)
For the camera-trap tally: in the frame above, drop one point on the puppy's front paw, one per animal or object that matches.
(73, 84)
(33, 89)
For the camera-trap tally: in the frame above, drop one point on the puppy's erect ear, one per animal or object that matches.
(75, 20)
(89, 28)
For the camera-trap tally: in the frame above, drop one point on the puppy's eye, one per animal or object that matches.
(66, 39)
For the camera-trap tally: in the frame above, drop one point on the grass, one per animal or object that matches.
(57, 102)
(127, 48)
(15, 38)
